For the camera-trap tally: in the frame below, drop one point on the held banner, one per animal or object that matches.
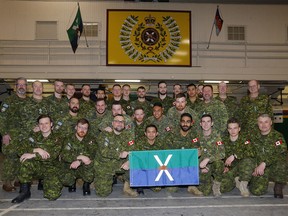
(164, 168)
(154, 38)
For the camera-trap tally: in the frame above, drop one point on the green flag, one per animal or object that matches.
(75, 30)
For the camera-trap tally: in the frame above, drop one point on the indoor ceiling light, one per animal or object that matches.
(128, 81)
(215, 81)
(41, 80)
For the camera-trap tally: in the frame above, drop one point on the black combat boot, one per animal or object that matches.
(40, 184)
(25, 193)
(86, 188)
(72, 188)
(278, 190)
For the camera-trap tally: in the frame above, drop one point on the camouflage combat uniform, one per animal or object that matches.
(175, 116)
(86, 107)
(96, 120)
(107, 122)
(107, 161)
(271, 149)
(164, 125)
(231, 105)
(58, 107)
(38, 168)
(211, 147)
(140, 129)
(147, 107)
(11, 123)
(250, 109)
(72, 148)
(167, 103)
(243, 164)
(178, 141)
(193, 105)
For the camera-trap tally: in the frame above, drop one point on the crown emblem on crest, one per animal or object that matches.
(150, 21)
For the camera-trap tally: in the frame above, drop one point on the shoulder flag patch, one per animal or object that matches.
(218, 143)
(131, 142)
(195, 140)
(279, 142)
(247, 142)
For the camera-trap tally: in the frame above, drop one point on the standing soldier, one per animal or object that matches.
(10, 129)
(77, 157)
(87, 104)
(162, 122)
(271, 156)
(58, 102)
(252, 105)
(177, 88)
(142, 102)
(230, 102)
(39, 157)
(180, 107)
(192, 97)
(212, 154)
(70, 90)
(113, 150)
(239, 159)
(213, 107)
(163, 97)
(117, 96)
(126, 91)
(139, 122)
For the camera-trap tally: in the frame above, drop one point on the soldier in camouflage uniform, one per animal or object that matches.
(58, 102)
(11, 131)
(142, 102)
(271, 159)
(211, 160)
(192, 97)
(96, 117)
(184, 137)
(177, 88)
(162, 122)
(106, 124)
(126, 90)
(167, 102)
(213, 107)
(139, 122)
(180, 107)
(239, 159)
(39, 157)
(69, 90)
(66, 124)
(117, 96)
(87, 105)
(111, 158)
(252, 106)
(230, 102)
(77, 157)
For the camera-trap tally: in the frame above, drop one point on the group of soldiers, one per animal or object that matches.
(61, 138)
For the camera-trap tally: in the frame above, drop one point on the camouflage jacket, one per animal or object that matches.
(231, 105)
(147, 106)
(164, 125)
(191, 140)
(167, 103)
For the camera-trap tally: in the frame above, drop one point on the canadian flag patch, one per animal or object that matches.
(131, 142)
(167, 129)
(195, 140)
(279, 142)
(219, 143)
(247, 142)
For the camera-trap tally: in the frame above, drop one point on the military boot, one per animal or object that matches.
(194, 190)
(72, 188)
(128, 191)
(25, 193)
(278, 190)
(237, 182)
(86, 189)
(40, 184)
(243, 187)
(8, 187)
(216, 188)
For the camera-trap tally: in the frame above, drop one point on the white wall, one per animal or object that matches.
(265, 24)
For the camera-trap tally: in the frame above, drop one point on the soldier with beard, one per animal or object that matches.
(77, 157)
(111, 158)
(67, 123)
(163, 97)
(58, 102)
(180, 107)
(139, 122)
(11, 130)
(142, 102)
(87, 105)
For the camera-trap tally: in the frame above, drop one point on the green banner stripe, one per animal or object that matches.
(180, 158)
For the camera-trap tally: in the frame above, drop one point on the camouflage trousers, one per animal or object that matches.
(215, 172)
(31, 169)
(277, 172)
(242, 168)
(104, 173)
(10, 168)
(69, 176)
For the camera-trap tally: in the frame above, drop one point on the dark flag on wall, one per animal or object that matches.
(218, 22)
(75, 30)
